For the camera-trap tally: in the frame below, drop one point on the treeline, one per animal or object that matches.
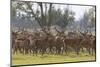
(46, 15)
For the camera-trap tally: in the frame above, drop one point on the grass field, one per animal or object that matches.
(20, 59)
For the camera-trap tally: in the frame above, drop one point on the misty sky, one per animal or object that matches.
(79, 10)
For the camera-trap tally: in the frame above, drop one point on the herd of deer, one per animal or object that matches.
(47, 43)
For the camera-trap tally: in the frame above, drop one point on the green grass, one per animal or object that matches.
(20, 59)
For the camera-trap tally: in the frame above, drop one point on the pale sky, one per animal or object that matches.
(79, 10)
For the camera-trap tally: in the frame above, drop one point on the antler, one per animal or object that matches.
(44, 30)
(57, 30)
(86, 32)
(83, 34)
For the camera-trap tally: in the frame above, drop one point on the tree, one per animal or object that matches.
(41, 14)
(13, 9)
(63, 19)
(44, 13)
(88, 20)
(68, 17)
(92, 17)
